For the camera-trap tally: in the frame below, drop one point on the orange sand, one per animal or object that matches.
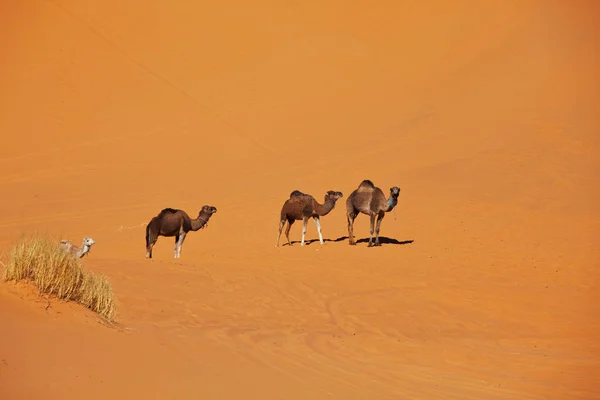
(486, 116)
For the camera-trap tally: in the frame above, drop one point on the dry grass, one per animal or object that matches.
(40, 260)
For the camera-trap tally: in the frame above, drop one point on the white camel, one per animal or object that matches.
(75, 251)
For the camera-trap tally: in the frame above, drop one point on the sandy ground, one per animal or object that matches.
(486, 117)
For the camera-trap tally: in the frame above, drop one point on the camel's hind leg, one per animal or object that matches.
(287, 230)
(371, 229)
(149, 250)
(318, 223)
(304, 226)
(281, 225)
(351, 217)
(380, 217)
(151, 239)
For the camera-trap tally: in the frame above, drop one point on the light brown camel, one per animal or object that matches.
(173, 222)
(75, 251)
(370, 200)
(302, 206)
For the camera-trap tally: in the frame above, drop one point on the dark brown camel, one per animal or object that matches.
(370, 200)
(302, 206)
(172, 222)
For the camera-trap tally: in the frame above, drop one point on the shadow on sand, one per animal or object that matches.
(382, 239)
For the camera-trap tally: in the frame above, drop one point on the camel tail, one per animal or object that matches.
(148, 234)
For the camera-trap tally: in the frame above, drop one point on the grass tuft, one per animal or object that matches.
(40, 260)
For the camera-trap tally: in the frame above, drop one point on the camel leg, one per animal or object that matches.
(287, 231)
(318, 223)
(304, 226)
(281, 224)
(149, 244)
(381, 215)
(149, 250)
(351, 216)
(176, 245)
(371, 229)
(179, 244)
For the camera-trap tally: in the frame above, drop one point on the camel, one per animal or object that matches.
(301, 206)
(370, 200)
(174, 222)
(75, 251)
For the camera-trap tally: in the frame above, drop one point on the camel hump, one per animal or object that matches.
(366, 185)
(167, 211)
(297, 193)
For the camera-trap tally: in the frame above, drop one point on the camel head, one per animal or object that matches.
(86, 247)
(207, 210)
(333, 196)
(394, 193)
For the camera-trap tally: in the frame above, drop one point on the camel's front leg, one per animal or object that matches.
(381, 215)
(371, 229)
(176, 245)
(180, 244)
(318, 224)
(351, 216)
(304, 226)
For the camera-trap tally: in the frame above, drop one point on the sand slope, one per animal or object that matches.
(486, 116)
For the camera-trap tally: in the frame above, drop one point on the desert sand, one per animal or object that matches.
(485, 115)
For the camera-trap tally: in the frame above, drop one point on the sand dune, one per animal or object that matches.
(485, 115)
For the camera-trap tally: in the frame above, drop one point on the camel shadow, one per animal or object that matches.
(307, 242)
(382, 239)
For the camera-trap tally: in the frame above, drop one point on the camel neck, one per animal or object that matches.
(199, 222)
(325, 208)
(84, 250)
(392, 203)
